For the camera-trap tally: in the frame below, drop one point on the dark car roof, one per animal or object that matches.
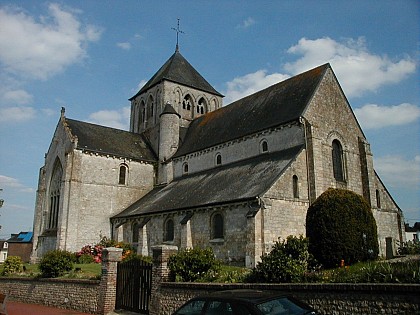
(248, 295)
(251, 298)
(255, 296)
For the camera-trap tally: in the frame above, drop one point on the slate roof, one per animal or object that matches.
(110, 141)
(414, 228)
(177, 69)
(240, 181)
(273, 106)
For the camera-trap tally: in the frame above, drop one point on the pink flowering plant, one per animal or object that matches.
(93, 253)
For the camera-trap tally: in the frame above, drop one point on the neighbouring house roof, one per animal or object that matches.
(234, 182)
(414, 228)
(22, 237)
(271, 107)
(177, 69)
(106, 140)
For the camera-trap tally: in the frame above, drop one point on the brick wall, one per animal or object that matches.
(80, 295)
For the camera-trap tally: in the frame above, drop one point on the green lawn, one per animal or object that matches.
(80, 271)
(371, 272)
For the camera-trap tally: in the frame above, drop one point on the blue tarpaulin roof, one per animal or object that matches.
(22, 237)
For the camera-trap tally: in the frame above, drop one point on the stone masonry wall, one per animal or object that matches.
(331, 118)
(331, 299)
(79, 295)
(199, 234)
(99, 196)
(90, 194)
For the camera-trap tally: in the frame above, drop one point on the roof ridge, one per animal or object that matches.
(177, 69)
(275, 105)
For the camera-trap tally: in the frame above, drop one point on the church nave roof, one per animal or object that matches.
(276, 105)
(230, 183)
(106, 140)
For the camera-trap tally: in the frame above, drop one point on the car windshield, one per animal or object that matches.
(192, 308)
(281, 306)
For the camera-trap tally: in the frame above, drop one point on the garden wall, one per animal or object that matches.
(332, 299)
(80, 295)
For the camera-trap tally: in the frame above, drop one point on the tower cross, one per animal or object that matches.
(178, 31)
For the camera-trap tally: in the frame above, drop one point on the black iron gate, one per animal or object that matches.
(134, 284)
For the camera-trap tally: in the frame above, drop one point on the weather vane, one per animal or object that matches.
(178, 31)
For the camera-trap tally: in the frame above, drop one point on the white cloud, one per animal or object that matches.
(125, 46)
(398, 172)
(19, 96)
(250, 83)
(13, 183)
(112, 118)
(246, 23)
(16, 114)
(372, 116)
(38, 49)
(357, 69)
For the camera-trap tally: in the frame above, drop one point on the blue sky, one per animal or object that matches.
(91, 56)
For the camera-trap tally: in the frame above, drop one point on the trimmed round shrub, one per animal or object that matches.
(12, 264)
(56, 263)
(84, 259)
(287, 262)
(192, 264)
(340, 226)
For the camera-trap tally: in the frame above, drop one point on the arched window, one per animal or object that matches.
(122, 179)
(217, 226)
(295, 187)
(337, 159)
(187, 102)
(185, 168)
(150, 106)
(169, 231)
(218, 159)
(201, 106)
(378, 199)
(142, 112)
(136, 231)
(264, 146)
(54, 194)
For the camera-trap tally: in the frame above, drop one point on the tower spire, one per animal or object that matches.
(178, 31)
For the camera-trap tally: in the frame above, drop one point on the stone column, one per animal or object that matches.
(160, 273)
(108, 286)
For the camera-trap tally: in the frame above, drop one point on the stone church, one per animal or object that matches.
(191, 172)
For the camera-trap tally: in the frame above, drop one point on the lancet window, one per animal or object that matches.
(54, 195)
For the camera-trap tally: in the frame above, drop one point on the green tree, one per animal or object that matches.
(287, 262)
(56, 263)
(340, 226)
(12, 264)
(192, 264)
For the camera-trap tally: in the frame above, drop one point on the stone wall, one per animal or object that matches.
(79, 295)
(332, 299)
(90, 194)
(278, 139)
